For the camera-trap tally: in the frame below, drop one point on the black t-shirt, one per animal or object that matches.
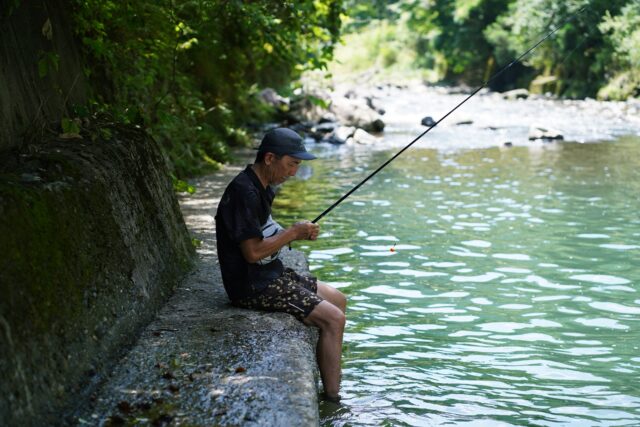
(244, 209)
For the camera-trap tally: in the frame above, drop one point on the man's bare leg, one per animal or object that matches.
(332, 295)
(330, 319)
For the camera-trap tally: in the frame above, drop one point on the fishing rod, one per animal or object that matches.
(496, 75)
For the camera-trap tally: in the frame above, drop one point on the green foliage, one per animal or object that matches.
(48, 62)
(362, 12)
(189, 71)
(443, 36)
(70, 126)
(381, 50)
(622, 32)
(577, 54)
(450, 35)
(180, 186)
(464, 41)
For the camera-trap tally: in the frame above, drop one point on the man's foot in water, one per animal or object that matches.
(333, 398)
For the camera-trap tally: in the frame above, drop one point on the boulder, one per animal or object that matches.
(371, 103)
(271, 97)
(538, 132)
(325, 127)
(311, 107)
(302, 127)
(351, 94)
(516, 94)
(328, 117)
(356, 112)
(320, 131)
(361, 136)
(341, 134)
(427, 121)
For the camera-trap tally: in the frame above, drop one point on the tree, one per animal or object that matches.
(576, 56)
(622, 33)
(450, 36)
(187, 70)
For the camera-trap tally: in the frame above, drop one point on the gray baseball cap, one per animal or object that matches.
(285, 141)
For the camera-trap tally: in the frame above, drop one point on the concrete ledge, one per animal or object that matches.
(204, 362)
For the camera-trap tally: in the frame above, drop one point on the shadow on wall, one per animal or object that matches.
(93, 242)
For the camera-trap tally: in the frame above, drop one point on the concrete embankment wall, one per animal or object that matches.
(92, 242)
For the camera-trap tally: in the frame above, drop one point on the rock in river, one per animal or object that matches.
(341, 134)
(516, 94)
(427, 121)
(356, 112)
(363, 137)
(538, 132)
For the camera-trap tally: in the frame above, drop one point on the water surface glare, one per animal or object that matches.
(511, 296)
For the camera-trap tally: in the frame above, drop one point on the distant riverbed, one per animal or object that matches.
(512, 295)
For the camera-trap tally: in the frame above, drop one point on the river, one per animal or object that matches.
(488, 285)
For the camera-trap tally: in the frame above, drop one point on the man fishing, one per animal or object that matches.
(249, 241)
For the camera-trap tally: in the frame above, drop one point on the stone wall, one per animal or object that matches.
(92, 242)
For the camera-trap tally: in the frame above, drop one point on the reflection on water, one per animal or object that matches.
(511, 296)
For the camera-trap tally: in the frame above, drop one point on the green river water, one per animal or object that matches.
(511, 296)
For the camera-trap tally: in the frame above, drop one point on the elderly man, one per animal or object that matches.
(249, 241)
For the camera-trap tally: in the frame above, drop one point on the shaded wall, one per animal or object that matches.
(92, 242)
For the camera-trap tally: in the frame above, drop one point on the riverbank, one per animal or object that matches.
(203, 362)
(386, 113)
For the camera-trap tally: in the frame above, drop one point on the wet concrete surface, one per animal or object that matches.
(202, 362)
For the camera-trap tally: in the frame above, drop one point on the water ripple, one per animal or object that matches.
(482, 278)
(552, 371)
(388, 290)
(503, 327)
(531, 337)
(477, 243)
(413, 273)
(593, 236)
(619, 247)
(601, 279)
(602, 322)
(515, 257)
(533, 317)
(615, 308)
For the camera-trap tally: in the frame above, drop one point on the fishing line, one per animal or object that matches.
(496, 75)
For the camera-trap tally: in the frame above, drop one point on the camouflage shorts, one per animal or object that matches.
(290, 293)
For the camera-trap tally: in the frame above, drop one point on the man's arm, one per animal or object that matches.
(255, 249)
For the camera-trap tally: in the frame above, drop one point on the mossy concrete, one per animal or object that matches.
(203, 362)
(93, 242)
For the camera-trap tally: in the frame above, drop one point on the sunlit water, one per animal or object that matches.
(511, 296)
